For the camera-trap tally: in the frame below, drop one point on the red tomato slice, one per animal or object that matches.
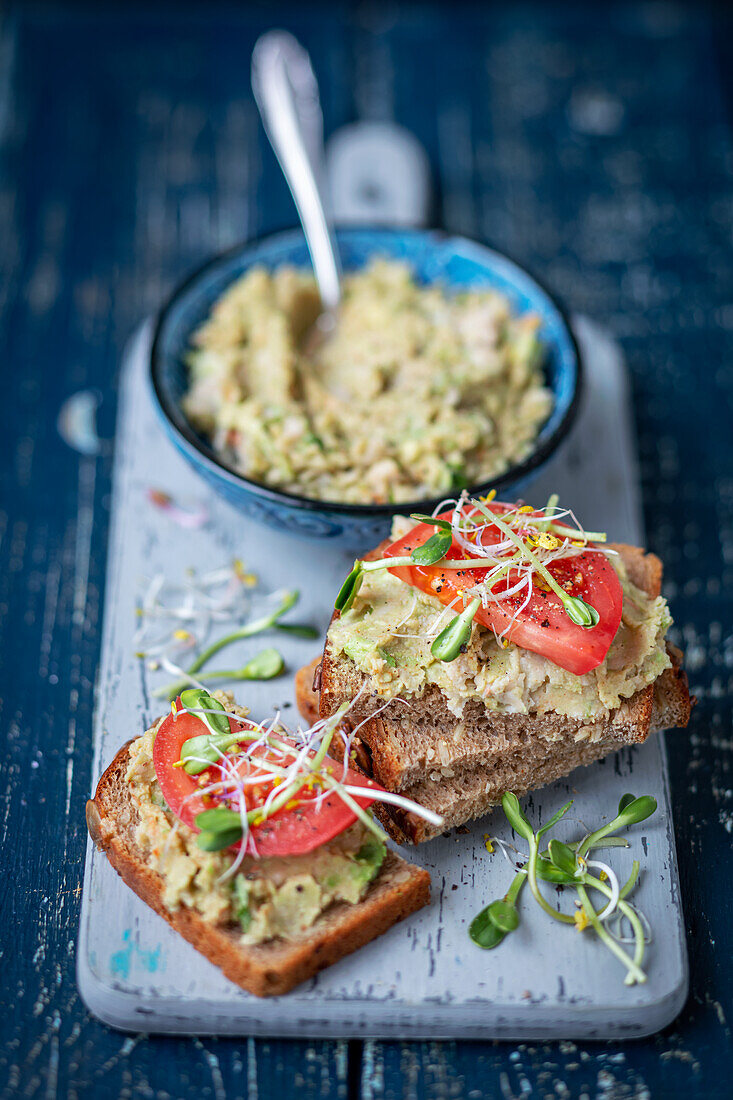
(543, 626)
(289, 832)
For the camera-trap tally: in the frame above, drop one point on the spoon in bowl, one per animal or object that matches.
(286, 92)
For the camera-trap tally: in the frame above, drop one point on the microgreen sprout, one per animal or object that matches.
(529, 542)
(568, 865)
(209, 710)
(581, 613)
(243, 755)
(257, 626)
(263, 666)
(441, 524)
(457, 634)
(350, 588)
(434, 550)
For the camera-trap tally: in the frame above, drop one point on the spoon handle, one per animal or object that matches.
(286, 92)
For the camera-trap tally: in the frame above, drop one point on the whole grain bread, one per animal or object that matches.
(472, 792)
(461, 768)
(413, 738)
(264, 969)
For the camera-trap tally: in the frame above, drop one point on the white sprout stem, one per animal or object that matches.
(505, 847)
(634, 919)
(398, 800)
(614, 886)
(176, 670)
(366, 818)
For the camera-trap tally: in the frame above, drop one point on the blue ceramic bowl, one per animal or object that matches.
(434, 256)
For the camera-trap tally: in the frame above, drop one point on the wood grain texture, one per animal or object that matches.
(596, 148)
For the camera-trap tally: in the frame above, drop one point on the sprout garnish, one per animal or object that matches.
(349, 589)
(286, 766)
(568, 865)
(434, 550)
(530, 543)
(456, 635)
(264, 666)
(214, 717)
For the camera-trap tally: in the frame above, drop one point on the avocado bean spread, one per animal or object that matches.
(270, 898)
(386, 633)
(415, 392)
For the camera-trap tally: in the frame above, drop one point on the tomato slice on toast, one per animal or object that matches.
(542, 626)
(299, 827)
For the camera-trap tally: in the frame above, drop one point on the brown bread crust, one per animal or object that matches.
(473, 792)
(264, 969)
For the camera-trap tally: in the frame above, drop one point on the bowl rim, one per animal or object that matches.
(218, 466)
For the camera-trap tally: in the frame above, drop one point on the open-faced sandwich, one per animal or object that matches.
(495, 647)
(253, 843)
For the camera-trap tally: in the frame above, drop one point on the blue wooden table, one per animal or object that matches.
(595, 147)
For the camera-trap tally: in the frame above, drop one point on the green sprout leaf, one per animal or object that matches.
(515, 815)
(194, 699)
(626, 800)
(216, 842)
(220, 828)
(484, 932)
(434, 549)
(562, 856)
(504, 915)
(449, 642)
(554, 819)
(442, 524)
(349, 589)
(199, 753)
(550, 873)
(217, 820)
(265, 666)
(298, 630)
(580, 612)
(638, 810)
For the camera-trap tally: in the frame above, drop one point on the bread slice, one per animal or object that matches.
(264, 969)
(461, 768)
(473, 791)
(408, 741)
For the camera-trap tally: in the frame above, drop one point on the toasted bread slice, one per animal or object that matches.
(264, 969)
(473, 791)
(407, 743)
(461, 768)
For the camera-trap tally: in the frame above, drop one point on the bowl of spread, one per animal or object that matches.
(449, 367)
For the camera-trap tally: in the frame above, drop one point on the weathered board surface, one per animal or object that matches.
(592, 143)
(425, 978)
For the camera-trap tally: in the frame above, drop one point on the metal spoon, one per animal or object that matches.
(286, 92)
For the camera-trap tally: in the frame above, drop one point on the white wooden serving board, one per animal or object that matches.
(424, 978)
